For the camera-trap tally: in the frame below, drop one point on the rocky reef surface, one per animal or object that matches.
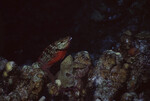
(120, 74)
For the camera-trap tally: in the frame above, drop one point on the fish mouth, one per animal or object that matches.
(70, 38)
(68, 42)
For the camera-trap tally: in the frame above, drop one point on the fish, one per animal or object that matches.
(52, 54)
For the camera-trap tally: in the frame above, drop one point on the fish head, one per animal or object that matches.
(63, 43)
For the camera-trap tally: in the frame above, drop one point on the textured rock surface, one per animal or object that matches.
(29, 84)
(108, 76)
(65, 74)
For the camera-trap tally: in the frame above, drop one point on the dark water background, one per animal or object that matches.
(27, 27)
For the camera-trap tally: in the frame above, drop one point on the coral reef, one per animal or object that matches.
(119, 75)
(108, 76)
(28, 85)
(71, 75)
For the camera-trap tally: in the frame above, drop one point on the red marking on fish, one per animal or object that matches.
(59, 56)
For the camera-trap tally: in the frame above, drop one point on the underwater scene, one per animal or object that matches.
(75, 50)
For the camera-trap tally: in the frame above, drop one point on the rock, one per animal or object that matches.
(29, 84)
(65, 74)
(129, 96)
(108, 76)
(2, 63)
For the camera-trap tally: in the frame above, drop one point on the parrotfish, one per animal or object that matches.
(52, 54)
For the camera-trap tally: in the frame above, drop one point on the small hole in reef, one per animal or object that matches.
(67, 74)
